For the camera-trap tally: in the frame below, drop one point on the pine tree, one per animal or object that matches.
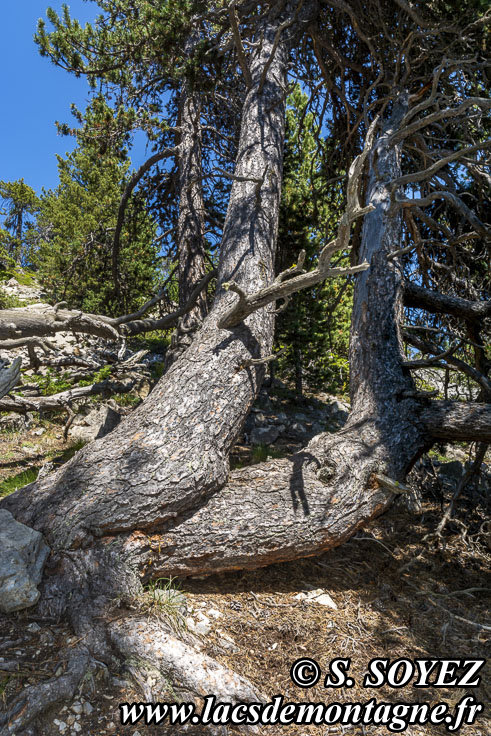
(77, 222)
(314, 327)
(18, 203)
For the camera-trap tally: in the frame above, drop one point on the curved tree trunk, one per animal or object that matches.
(155, 497)
(173, 453)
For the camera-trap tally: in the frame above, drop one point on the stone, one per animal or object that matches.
(12, 422)
(339, 409)
(23, 553)
(453, 470)
(203, 625)
(99, 422)
(264, 435)
(260, 419)
(317, 596)
(298, 428)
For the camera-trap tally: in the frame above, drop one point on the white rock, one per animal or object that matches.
(88, 709)
(23, 553)
(77, 727)
(317, 596)
(214, 613)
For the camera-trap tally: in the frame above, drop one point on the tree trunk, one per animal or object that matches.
(301, 506)
(191, 242)
(173, 453)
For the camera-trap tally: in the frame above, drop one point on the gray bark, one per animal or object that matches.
(173, 453)
(191, 242)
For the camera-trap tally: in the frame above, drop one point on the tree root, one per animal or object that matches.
(186, 673)
(180, 670)
(35, 700)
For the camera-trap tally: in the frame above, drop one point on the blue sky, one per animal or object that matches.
(34, 94)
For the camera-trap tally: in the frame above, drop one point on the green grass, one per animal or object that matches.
(9, 485)
(68, 453)
(261, 453)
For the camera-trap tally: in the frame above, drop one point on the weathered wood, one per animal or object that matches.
(458, 421)
(9, 376)
(438, 303)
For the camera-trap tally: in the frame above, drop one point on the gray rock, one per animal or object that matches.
(12, 422)
(339, 409)
(298, 428)
(99, 422)
(264, 435)
(452, 470)
(260, 418)
(23, 553)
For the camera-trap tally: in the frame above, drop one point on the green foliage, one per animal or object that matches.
(77, 222)
(7, 301)
(18, 203)
(314, 328)
(9, 485)
(52, 382)
(102, 375)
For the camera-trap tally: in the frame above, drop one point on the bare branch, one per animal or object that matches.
(281, 289)
(451, 197)
(446, 113)
(426, 347)
(436, 302)
(234, 24)
(166, 153)
(22, 404)
(458, 421)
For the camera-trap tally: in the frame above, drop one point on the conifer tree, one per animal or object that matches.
(18, 203)
(313, 330)
(77, 222)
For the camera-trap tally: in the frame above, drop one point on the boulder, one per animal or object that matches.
(97, 423)
(453, 470)
(12, 422)
(23, 553)
(264, 435)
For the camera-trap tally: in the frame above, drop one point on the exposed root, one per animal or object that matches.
(37, 699)
(180, 670)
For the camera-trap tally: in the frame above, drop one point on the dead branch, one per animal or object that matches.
(472, 471)
(21, 325)
(458, 421)
(166, 153)
(436, 302)
(283, 286)
(23, 404)
(427, 347)
(234, 24)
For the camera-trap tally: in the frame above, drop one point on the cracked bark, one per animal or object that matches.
(173, 454)
(191, 242)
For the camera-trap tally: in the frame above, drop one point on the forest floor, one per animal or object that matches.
(395, 595)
